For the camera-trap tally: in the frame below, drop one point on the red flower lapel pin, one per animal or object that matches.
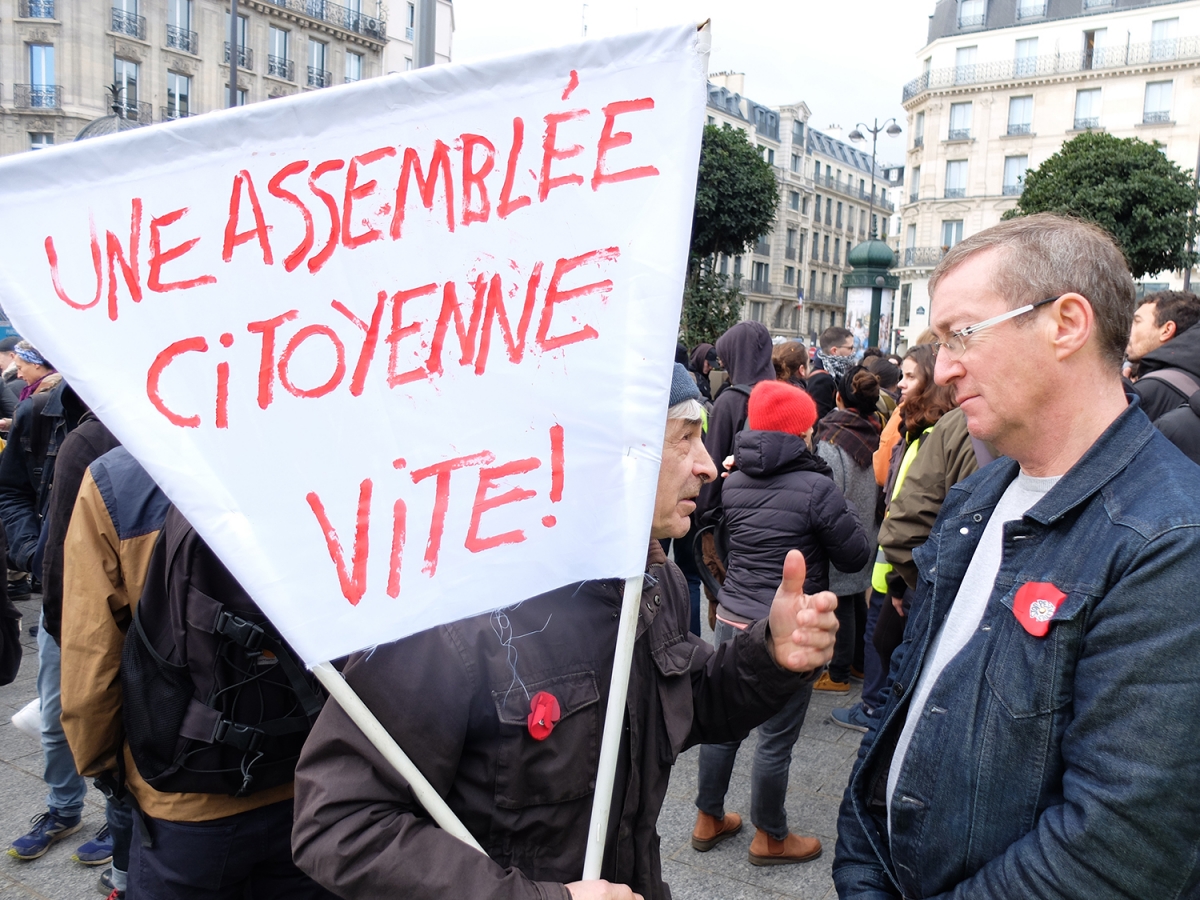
(1035, 605)
(544, 713)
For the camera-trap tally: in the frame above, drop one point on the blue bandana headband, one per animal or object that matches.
(31, 356)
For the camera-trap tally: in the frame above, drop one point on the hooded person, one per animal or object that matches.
(745, 349)
(703, 360)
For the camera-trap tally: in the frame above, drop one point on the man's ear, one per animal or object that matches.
(1167, 331)
(1074, 324)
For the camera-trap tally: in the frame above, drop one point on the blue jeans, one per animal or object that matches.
(874, 674)
(67, 789)
(772, 758)
(120, 827)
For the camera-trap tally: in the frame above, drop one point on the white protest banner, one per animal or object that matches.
(400, 349)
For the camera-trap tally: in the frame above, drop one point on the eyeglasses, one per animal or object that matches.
(956, 344)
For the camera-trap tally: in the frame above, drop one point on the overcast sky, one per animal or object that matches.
(848, 61)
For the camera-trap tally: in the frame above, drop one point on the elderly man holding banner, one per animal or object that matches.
(502, 712)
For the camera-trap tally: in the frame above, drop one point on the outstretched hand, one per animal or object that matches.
(803, 626)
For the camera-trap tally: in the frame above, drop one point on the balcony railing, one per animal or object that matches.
(182, 39)
(36, 9)
(138, 112)
(281, 68)
(972, 21)
(408, 33)
(1031, 10)
(129, 23)
(918, 141)
(37, 96)
(169, 114)
(789, 252)
(1096, 4)
(923, 256)
(1020, 128)
(1085, 123)
(344, 17)
(913, 197)
(959, 134)
(762, 248)
(1158, 117)
(1055, 64)
(319, 78)
(952, 193)
(245, 57)
(850, 190)
(1013, 190)
(760, 287)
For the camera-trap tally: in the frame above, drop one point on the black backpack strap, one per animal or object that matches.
(1184, 383)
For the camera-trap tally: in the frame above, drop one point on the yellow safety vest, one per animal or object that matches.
(883, 568)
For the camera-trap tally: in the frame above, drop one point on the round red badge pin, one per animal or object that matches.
(544, 713)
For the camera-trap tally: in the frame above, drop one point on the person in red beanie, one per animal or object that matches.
(779, 497)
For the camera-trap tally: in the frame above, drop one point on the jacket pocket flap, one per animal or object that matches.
(573, 693)
(674, 658)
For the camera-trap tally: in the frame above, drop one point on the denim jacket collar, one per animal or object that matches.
(1104, 460)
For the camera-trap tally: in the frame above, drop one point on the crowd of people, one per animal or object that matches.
(993, 532)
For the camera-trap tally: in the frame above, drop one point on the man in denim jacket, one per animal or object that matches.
(1039, 737)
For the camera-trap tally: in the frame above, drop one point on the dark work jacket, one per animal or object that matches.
(1182, 427)
(456, 698)
(780, 498)
(1181, 352)
(823, 389)
(88, 442)
(27, 469)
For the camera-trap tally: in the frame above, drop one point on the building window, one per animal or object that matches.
(910, 238)
(1158, 103)
(712, 121)
(1014, 174)
(837, 251)
(1164, 39)
(1087, 109)
(1020, 115)
(789, 275)
(793, 199)
(915, 187)
(179, 26)
(960, 122)
(797, 131)
(125, 19)
(770, 156)
(243, 30)
(179, 89)
(43, 94)
(804, 207)
(737, 267)
(800, 248)
(825, 249)
(834, 292)
(760, 283)
(756, 310)
(919, 130)
(36, 9)
(964, 65)
(408, 64)
(972, 13)
(828, 211)
(318, 75)
(812, 285)
(1025, 63)
(839, 215)
(279, 61)
(952, 232)
(241, 95)
(796, 163)
(956, 178)
(40, 140)
(905, 303)
(354, 66)
(125, 75)
(1031, 9)
(789, 249)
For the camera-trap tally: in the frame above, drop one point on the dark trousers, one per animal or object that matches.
(244, 856)
(120, 828)
(687, 565)
(848, 648)
(876, 671)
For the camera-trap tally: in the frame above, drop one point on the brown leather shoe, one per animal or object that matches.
(766, 851)
(710, 830)
(825, 683)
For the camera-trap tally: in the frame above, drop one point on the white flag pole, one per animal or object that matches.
(614, 716)
(614, 720)
(429, 798)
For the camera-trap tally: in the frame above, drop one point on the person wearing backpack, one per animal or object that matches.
(179, 697)
(1165, 346)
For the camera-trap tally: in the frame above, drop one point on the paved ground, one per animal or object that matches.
(821, 765)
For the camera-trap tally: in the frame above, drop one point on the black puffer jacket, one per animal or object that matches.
(1181, 352)
(1182, 427)
(781, 497)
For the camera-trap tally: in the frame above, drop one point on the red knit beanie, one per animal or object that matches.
(779, 406)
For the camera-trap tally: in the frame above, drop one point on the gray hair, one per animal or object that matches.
(1047, 255)
(689, 409)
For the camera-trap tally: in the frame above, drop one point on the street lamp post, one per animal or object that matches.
(857, 135)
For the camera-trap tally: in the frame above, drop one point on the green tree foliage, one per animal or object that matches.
(736, 198)
(736, 194)
(1126, 186)
(710, 308)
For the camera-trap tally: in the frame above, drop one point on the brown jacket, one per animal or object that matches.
(946, 456)
(457, 698)
(117, 517)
